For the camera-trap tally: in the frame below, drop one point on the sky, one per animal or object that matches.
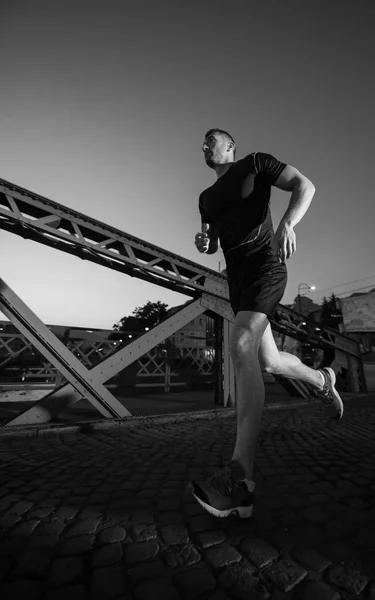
(104, 106)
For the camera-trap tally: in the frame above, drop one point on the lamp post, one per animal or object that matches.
(309, 288)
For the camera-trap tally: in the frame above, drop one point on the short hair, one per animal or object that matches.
(224, 133)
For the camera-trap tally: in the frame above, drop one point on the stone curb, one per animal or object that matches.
(21, 431)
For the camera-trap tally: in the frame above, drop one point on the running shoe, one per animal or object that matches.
(329, 395)
(226, 492)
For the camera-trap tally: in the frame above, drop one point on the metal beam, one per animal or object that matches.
(61, 398)
(84, 382)
(25, 214)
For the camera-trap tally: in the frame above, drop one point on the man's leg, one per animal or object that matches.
(246, 337)
(282, 363)
(231, 489)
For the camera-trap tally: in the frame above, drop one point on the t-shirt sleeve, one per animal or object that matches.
(268, 166)
(204, 216)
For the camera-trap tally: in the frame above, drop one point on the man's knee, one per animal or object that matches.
(246, 336)
(244, 346)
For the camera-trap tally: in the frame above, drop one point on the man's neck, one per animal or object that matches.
(222, 169)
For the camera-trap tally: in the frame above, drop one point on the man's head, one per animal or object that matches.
(219, 147)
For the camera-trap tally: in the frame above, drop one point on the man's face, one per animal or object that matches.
(215, 148)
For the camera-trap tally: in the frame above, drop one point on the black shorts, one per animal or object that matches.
(257, 281)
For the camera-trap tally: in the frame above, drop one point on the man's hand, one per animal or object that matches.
(202, 241)
(285, 241)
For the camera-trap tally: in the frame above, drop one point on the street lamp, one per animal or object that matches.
(306, 286)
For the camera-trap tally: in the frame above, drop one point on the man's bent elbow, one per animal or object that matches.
(307, 183)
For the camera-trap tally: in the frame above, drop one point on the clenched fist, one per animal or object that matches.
(202, 241)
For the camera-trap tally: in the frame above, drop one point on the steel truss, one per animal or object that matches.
(151, 364)
(82, 382)
(37, 218)
(89, 352)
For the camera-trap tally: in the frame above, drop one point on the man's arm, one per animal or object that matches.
(303, 190)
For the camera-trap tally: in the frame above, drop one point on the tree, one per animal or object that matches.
(324, 318)
(331, 314)
(143, 317)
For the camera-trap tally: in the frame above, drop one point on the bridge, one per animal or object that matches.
(42, 220)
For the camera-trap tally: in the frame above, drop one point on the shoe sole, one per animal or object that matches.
(335, 393)
(244, 512)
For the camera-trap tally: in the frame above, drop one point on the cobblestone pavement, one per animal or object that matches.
(105, 514)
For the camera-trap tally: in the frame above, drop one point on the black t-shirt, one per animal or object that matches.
(238, 202)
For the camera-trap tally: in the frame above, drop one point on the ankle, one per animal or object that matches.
(247, 469)
(322, 380)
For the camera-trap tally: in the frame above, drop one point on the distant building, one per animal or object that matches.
(197, 333)
(358, 311)
(304, 305)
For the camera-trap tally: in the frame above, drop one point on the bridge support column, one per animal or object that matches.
(356, 376)
(229, 381)
(218, 362)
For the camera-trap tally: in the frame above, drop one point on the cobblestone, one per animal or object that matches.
(259, 552)
(78, 545)
(157, 589)
(141, 516)
(316, 514)
(83, 527)
(49, 527)
(20, 508)
(44, 542)
(39, 513)
(5, 567)
(66, 513)
(201, 523)
(33, 562)
(311, 559)
(107, 555)
(318, 590)
(9, 521)
(143, 532)
(174, 535)
(149, 570)
(66, 570)
(141, 551)
(220, 556)
(170, 518)
(19, 590)
(72, 525)
(194, 582)
(347, 579)
(112, 534)
(68, 592)
(106, 583)
(239, 579)
(285, 574)
(210, 538)
(181, 556)
(282, 539)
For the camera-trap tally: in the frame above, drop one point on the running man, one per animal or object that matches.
(235, 210)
